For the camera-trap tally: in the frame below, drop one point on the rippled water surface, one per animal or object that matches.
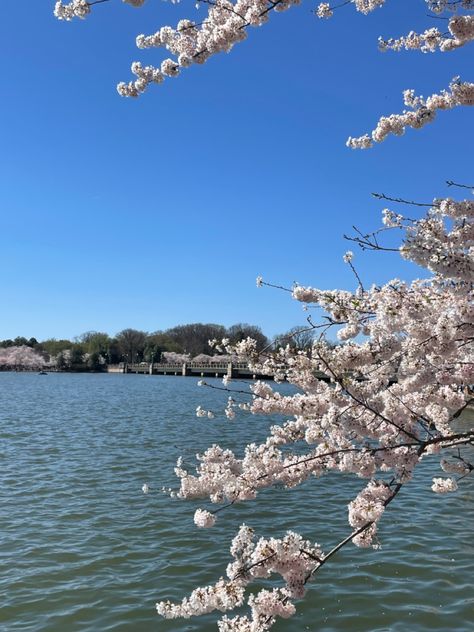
(82, 548)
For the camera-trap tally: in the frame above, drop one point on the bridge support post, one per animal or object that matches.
(230, 371)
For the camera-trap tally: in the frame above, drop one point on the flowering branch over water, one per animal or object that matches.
(393, 396)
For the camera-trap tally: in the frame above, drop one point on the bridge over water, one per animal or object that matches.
(195, 369)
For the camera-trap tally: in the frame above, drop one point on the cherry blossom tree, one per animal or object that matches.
(21, 358)
(397, 387)
(394, 390)
(170, 357)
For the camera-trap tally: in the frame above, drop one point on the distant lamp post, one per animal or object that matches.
(152, 359)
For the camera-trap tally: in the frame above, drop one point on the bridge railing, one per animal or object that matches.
(192, 367)
(232, 369)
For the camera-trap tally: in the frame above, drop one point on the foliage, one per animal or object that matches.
(193, 339)
(299, 338)
(95, 342)
(131, 344)
(94, 361)
(53, 346)
(19, 341)
(93, 350)
(157, 343)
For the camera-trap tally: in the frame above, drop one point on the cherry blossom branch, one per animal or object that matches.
(246, 569)
(190, 45)
(460, 33)
(456, 439)
(348, 259)
(325, 10)
(469, 402)
(453, 440)
(226, 7)
(418, 416)
(369, 241)
(339, 380)
(423, 112)
(399, 200)
(194, 43)
(354, 534)
(261, 282)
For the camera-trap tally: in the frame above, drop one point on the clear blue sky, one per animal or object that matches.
(158, 211)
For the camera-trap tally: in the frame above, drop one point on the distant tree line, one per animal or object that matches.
(19, 341)
(94, 350)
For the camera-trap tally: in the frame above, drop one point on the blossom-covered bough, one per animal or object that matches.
(226, 24)
(396, 386)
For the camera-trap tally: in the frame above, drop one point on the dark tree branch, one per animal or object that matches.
(450, 183)
(382, 196)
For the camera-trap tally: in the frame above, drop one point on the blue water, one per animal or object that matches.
(82, 548)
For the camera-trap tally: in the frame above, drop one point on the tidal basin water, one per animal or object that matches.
(82, 548)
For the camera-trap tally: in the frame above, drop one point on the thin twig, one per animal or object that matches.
(382, 196)
(450, 183)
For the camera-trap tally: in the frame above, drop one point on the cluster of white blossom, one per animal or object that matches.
(391, 219)
(368, 507)
(324, 10)
(171, 357)
(424, 112)
(452, 467)
(192, 43)
(430, 243)
(224, 26)
(204, 519)
(444, 485)
(74, 9)
(290, 557)
(200, 412)
(461, 28)
(367, 6)
(439, 6)
(229, 409)
(223, 596)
